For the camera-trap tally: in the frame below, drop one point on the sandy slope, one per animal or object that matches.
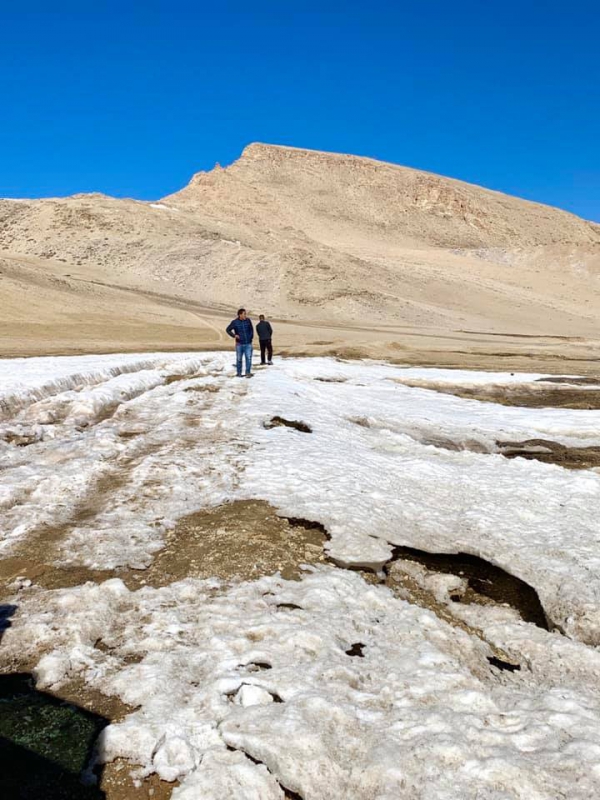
(308, 237)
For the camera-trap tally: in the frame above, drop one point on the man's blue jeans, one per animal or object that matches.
(243, 351)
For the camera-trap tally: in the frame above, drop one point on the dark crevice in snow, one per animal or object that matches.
(277, 421)
(309, 524)
(483, 579)
(19, 438)
(287, 793)
(503, 665)
(289, 606)
(550, 452)
(256, 666)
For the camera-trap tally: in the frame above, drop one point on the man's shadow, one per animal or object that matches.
(6, 612)
(47, 746)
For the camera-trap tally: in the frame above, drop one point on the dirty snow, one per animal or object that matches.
(116, 448)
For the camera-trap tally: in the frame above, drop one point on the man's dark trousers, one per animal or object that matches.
(266, 346)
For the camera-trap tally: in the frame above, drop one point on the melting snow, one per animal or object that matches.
(139, 441)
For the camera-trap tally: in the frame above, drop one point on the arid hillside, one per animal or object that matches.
(309, 237)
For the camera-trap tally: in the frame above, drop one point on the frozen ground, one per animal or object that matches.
(112, 450)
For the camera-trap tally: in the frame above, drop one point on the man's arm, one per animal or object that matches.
(251, 329)
(230, 329)
(270, 328)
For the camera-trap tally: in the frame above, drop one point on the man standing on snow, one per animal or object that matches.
(242, 331)
(265, 332)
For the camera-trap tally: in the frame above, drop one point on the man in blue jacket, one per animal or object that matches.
(242, 331)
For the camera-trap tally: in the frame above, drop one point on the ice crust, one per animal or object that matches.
(421, 715)
(119, 447)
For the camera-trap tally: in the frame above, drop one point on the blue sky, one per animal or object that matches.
(132, 98)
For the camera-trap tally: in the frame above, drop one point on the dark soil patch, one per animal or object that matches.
(485, 581)
(118, 784)
(276, 422)
(552, 453)
(205, 387)
(236, 541)
(243, 540)
(579, 381)
(175, 378)
(356, 650)
(533, 395)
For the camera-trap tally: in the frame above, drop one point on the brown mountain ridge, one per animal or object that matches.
(305, 236)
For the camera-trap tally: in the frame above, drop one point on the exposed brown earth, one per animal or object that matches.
(243, 540)
(118, 784)
(530, 395)
(550, 452)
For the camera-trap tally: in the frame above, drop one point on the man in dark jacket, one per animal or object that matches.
(242, 331)
(265, 332)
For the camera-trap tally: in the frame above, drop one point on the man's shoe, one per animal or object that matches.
(249, 375)
(239, 376)
(270, 363)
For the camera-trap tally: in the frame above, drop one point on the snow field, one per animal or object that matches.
(120, 447)
(421, 715)
(159, 456)
(370, 474)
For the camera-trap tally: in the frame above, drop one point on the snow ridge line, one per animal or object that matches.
(15, 401)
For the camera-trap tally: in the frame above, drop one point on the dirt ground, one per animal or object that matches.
(552, 453)
(237, 541)
(50, 313)
(551, 393)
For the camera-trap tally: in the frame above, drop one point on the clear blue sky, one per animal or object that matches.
(131, 98)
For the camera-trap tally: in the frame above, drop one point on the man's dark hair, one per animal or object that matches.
(241, 311)
(262, 316)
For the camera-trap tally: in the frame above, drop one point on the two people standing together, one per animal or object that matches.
(242, 330)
